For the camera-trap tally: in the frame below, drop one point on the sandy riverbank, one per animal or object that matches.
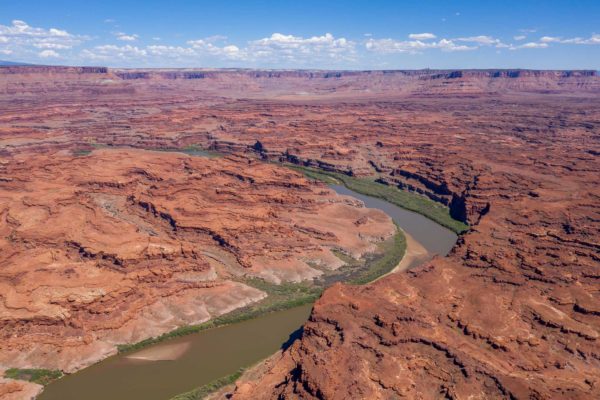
(162, 352)
(415, 254)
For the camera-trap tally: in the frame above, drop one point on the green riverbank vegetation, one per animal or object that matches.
(192, 150)
(402, 198)
(211, 387)
(35, 375)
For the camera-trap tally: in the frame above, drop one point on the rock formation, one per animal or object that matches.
(121, 245)
(512, 312)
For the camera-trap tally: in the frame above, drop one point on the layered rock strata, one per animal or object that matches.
(121, 245)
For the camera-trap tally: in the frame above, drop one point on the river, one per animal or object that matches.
(179, 365)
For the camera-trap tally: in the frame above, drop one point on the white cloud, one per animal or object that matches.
(215, 38)
(206, 47)
(275, 50)
(389, 46)
(24, 41)
(58, 32)
(195, 52)
(44, 44)
(594, 39)
(281, 48)
(482, 40)
(422, 36)
(449, 45)
(419, 44)
(198, 43)
(125, 37)
(531, 45)
(111, 52)
(231, 50)
(549, 39)
(170, 51)
(122, 51)
(315, 43)
(48, 54)
(545, 42)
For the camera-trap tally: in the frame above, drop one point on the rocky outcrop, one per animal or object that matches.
(121, 245)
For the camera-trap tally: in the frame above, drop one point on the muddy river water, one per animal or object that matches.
(179, 365)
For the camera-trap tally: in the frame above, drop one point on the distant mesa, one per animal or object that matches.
(4, 63)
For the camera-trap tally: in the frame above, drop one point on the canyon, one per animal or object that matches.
(97, 224)
(92, 242)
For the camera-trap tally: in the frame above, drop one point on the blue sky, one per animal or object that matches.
(304, 34)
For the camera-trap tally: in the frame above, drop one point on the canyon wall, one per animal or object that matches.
(121, 245)
(19, 80)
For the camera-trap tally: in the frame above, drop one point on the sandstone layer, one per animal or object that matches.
(512, 312)
(121, 245)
